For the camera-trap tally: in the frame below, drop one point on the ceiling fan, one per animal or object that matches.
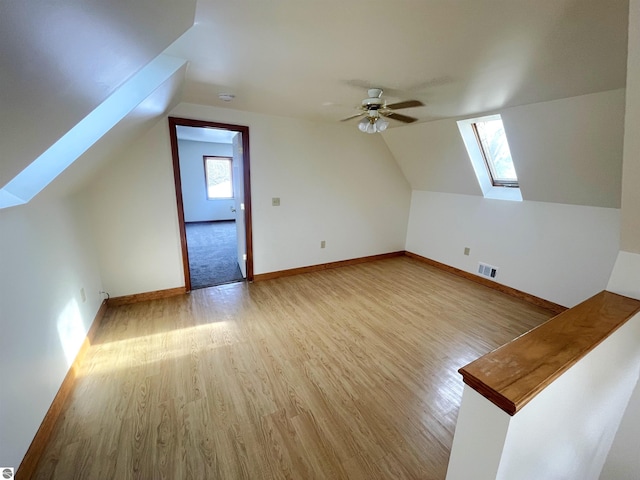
(375, 108)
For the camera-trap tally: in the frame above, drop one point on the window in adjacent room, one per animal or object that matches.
(218, 177)
(486, 142)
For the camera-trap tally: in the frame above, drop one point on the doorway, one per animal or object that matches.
(211, 166)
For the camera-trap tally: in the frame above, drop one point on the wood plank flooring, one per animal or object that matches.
(348, 373)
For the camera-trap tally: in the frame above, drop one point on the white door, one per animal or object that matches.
(238, 194)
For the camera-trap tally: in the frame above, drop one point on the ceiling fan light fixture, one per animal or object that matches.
(363, 124)
(382, 124)
(375, 108)
(371, 128)
(372, 124)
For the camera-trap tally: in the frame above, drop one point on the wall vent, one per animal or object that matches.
(487, 270)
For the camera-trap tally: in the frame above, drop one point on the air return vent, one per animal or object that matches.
(487, 270)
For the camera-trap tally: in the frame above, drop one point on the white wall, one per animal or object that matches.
(562, 253)
(569, 150)
(132, 204)
(197, 208)
(433, 157)
(481, 430)
(625, 277)
(335, 184)
(46, 257)
(565, 432)
(560, 243)
(623, 462)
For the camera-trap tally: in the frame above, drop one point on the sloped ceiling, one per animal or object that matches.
(314, 59)
(564, 151)
(62, 59)
(432, 156)
(91, 163)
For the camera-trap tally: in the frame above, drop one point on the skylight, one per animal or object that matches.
(495, 150)
(44, 169)
(488, 149)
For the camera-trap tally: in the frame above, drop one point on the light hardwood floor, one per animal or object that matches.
(345, 373)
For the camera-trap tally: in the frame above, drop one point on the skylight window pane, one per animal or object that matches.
(495, 149)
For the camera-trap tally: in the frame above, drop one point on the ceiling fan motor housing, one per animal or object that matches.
(374, 108)
(374, 102)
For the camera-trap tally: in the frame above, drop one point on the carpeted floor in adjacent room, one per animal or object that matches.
(213, 258)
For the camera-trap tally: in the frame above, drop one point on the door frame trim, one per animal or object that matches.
(246, 173)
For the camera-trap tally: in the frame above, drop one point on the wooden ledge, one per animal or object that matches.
(512, 375)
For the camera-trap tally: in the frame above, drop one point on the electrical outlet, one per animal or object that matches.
(323, 244)
(275, 202)
(83, 295)
(467, 250)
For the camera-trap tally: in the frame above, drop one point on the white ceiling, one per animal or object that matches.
(314, 59)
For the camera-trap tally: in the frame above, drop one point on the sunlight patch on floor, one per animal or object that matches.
(144, 350)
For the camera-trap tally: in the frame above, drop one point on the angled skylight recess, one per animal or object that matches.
(488, 149)
(44, 169)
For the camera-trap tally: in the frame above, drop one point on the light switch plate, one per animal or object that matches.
(275, 201)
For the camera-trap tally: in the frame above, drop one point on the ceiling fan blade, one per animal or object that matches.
(353, 116)
(406, 104)
(401, 118)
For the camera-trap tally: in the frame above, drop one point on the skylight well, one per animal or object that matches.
(44, 169)
(488, 149)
